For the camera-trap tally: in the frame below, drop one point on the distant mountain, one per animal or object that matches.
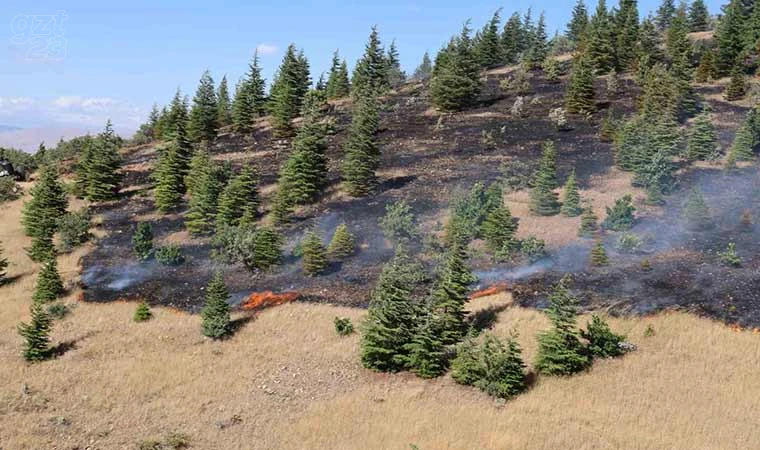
(28, 139)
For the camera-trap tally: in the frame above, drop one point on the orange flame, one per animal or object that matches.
(492, 290)
(268, 298)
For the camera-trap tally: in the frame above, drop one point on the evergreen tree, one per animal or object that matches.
(49, 285)
(201, 216)
(621, 216)
(737, 87)
(695, 212)
(456, 80)
(249, 97)
(580, 90)
(571, 200)
(82, 167)
(600, 43)
(395, 75)
(576, 29)
(142, 313)
(391, 316)
(288, 90)
(103, 177)
(142, 241)
(216, 311)
(362, 154)
(513, 39)
(699, 17)
(170, 184)
(599, 254)
(36, 334)
(314, 261)
(424, 70)
(627, 32)
(499, 228)
(223, 104)
(544, 201)
(730, 35)
(649, 45)
(702, 142)
(40, 214)
(539, 48)
(450, 295)
(239, 200)
(342, 244)
(588, 223)
(203, 123)
(337, 83)
(488, 47)
(744, 144)
(560, 351)
(177, 115)
(706, 71)
(502, 367)
(370, 76)
(602, 342)
(665, 14)
(427, 356)
(679, 49)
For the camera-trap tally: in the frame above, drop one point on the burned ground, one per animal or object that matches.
(426, 159)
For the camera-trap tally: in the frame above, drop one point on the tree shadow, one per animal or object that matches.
(486, 318)
(62, 348)
(237, 324)
(395, 183)
(10, 280)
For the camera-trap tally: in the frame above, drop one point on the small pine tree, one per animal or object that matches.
(699, 17)
(370, 77)
(599, 255)
(48, 202)
(342, 244)
(499, 228)
(580, 94)
(170, 184)
(602, 342)
(426, 351)
(362, 154)
(223, 104)
(36, 334)
(560, 351)
(702, 142)
(502, 367)
(288, 91)
(744, 144)
(201, 217)
(249, 98)
(621, 216)
(737, 87)
(450, 295)
(338, 85)
(216, 311)
(455, 82)
(142, 313)
(239, 201)
(142, 241)
(103, 175)
(571, 199)
(204, 114)
(706, 71)
(730, 257)
(696, 212)
(395, 75)
(551, 70)
(424, 70)
(49, 285)
(314, 261)
(544, 201)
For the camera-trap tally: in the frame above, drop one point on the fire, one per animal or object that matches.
(268, 298)
(491, 290)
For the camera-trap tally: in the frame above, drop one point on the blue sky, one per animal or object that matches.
(120, 59)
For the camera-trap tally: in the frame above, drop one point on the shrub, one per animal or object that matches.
(519, 83)
(142, 313)
(343, 326)
(518, 107)
(602, 342)
(74, 229)
(628, 243)
(170, 255)
(533, 248)
(620, 217)
(256, 249)
(494, 367)
(730, 257)
(515, 175)
(9, 190)
(398, 223)
(142, 241)
(558, 116)
(57, 310)
(466, 367)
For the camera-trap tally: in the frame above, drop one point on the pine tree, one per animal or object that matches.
(49, 285)
(314, 261)
(580, 95)
(737, 87)
(142, 241)
(142, 313)
(706, 71)
(169, 178)
(695, 212)
(450, 295)
(337, 83)
(649, 45)
(576, 29)
(699, 17)
(342, 244)
(395, 75)
(488, 48)
(427, 355)
(370, 77)
(602, 342)
(223, 104)
(36, 334)
(424, 70)
(665, 14)
(40, 214)
(103, 176)
(216, 311)
(249, 98)
(601, 40)
(571, 199)
(627, 32)
(539, 48)
(560, 351)
(390, 319)
(502, 370)
(702, 142)
(239, 200)
(744, 144)
(512, 39)
(729, 36)
(82, 167)
(204, 200)
(679, 49)
(288, 91)
(455, 82)
(599, 254)
(544, 201)
(588, 223)
(499, 228)
(362, 154)
(203, 123)
(621, 216)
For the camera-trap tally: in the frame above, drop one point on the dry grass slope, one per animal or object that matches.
(286, 380)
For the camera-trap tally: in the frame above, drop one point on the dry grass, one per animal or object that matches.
(294, 384)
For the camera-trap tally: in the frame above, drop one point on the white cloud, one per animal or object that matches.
(9, 104)
(266, 49)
